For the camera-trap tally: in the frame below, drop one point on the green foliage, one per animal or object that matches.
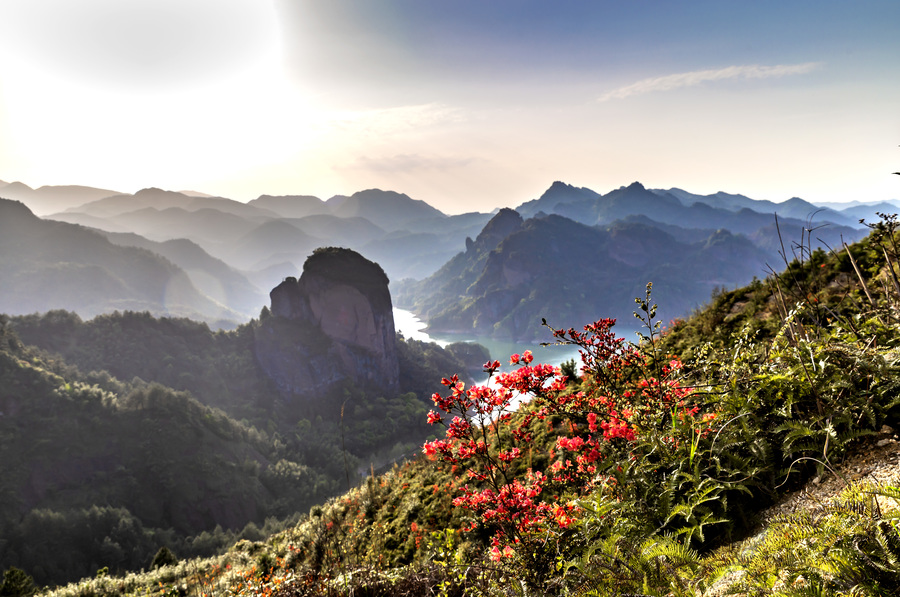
(163, 557)
(86, 439)
(218, 368)
(850, 545)
(16, 583)
(68, 445)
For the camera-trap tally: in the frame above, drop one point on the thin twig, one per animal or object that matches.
(859, 275)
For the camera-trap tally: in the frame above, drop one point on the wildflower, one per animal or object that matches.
(491, 366)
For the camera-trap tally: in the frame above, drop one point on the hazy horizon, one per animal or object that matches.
(469, 106)
(514, 204)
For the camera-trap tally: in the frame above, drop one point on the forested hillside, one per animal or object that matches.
(127, 433)
(97, 469)
(517, 272)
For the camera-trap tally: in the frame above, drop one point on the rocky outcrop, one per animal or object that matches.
(506, 222)
(333, 325)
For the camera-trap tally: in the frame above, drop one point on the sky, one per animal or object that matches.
(469, 105)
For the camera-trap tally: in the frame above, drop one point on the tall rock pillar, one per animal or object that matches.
(334, 324)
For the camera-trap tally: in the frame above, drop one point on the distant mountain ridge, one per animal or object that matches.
(250, 246)
(674, 206)
(212, 276)
(49, 199)
(518, 272)
(159, 199)
(792, 208)
(50, 265)
(408, 236)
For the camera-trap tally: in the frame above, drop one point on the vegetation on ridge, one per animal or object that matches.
(194, 453)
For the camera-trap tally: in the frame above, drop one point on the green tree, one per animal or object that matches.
(163, 557)
(16, 583)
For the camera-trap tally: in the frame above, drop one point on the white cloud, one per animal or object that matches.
(400, 119)
(693, 78)
(411, 162)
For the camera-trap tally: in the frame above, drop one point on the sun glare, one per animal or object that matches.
(175, 133)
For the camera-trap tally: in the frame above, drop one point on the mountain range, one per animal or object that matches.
(582, 254)
(49, 265)
(221, 254)
(520, 272)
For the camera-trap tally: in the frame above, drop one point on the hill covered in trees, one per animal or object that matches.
(127, 433)
(518, 272)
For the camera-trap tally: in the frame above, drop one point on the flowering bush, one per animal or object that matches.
(629, 416)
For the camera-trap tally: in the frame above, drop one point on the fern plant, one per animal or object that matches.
(849, 546)
(622, 557)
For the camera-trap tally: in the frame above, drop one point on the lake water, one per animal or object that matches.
(412, 327)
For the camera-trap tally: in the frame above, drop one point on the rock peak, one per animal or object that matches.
(340, 264)
(334, 324)
(499, 227)
(556, 188)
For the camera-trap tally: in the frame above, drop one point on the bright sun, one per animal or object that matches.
(190, 99)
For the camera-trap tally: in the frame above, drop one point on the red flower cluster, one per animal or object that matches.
(604, 417)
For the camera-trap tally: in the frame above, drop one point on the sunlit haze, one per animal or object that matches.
(468, 105)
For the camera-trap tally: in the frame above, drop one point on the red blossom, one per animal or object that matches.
(602, 419)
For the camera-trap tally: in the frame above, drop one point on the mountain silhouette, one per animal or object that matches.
(55, 265)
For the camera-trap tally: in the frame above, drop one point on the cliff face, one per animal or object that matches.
(334, 324)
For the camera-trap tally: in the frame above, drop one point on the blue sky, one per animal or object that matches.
(469, 105)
